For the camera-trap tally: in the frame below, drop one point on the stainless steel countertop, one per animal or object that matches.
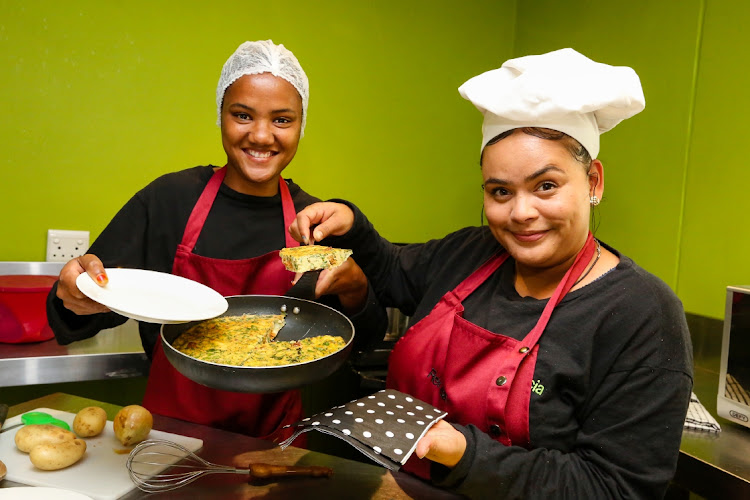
(113, 353)
(714, 465)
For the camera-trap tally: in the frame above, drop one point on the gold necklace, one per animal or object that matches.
(598, 254)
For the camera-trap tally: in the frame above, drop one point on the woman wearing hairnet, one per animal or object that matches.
(223, 227)
(565, 368)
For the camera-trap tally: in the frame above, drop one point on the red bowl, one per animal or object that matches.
(23, 313)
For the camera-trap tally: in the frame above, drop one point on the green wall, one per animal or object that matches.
(716, 235)
(99, 98)
(643, 157)
(674, 174)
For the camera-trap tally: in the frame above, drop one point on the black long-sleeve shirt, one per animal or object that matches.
(613, 372)
(146, 231)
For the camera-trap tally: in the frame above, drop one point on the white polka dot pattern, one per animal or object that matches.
(385, 426)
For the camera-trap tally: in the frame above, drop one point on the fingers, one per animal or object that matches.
(348, 282)
(336, 219)
(94, 268)
(67, 289)
(326, 283)
(429, 441)
(442, 444)
(306, 218)
(319, 220)
(424, 446)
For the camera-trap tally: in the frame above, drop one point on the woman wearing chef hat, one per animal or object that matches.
(223, 227)
(565, 368)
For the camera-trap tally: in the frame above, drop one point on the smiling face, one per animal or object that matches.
(536, 199)
(261, 120)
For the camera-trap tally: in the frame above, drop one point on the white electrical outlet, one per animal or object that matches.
(65, 245)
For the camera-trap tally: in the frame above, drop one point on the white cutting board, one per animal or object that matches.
(101, 473)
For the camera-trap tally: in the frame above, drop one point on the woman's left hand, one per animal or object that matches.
(348, 281)
(442, 444)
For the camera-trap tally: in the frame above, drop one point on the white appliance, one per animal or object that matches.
(733, 399)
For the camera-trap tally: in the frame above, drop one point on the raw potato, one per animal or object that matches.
(30, 436)
(58, 455)
(90, 421)
(132, 424)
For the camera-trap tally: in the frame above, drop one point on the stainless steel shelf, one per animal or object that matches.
(111, 354)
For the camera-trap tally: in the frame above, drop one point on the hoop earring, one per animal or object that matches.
(594, 200)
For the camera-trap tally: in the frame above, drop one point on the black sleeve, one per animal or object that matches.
(396, 273)
(69, 327)
(370, 323)
(610, 459)
(114, 250)
(628, 432)
(415, 276)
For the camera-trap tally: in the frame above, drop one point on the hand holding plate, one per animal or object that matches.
(68, 291)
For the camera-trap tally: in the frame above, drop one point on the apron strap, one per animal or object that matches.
(202, 207)
(206, 200)
(290, 213)
(568, 281)
(467, 286)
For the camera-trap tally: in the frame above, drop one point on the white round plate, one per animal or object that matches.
(40, 493)
(154, 297)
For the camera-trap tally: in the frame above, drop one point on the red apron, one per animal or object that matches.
(172, 394)
(486, 381)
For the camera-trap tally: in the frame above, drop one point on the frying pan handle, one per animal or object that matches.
(305, 286)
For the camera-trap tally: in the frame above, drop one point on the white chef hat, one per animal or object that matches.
(264, 56)
(561, 90)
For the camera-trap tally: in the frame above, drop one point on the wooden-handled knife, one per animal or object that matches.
(3, 414)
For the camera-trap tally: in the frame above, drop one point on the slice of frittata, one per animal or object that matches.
(310, 257)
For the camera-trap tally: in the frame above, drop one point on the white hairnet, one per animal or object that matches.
(263, 56)
(562, 90)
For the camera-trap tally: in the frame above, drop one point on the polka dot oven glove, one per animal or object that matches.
(384, 426)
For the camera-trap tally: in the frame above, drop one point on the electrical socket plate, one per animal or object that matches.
(65, 245)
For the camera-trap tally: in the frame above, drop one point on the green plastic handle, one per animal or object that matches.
(39, 417)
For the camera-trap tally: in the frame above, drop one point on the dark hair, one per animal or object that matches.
(575, 148)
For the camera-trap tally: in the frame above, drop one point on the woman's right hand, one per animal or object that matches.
(327, 219)
(68, 291)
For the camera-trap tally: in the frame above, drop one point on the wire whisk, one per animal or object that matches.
(149, 459)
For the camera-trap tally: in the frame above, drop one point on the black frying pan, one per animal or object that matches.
(310, 319)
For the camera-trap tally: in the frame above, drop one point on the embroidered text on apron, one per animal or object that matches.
(477, 376)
